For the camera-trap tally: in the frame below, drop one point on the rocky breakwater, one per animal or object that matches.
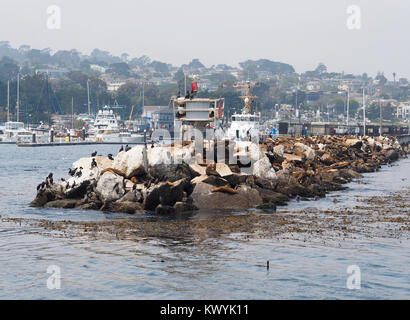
(174, 179)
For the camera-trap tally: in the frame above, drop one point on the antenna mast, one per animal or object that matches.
(247, 98)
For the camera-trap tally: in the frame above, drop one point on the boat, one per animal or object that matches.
(2, 132)
(105, 128)
(14, 132)
(245, 126)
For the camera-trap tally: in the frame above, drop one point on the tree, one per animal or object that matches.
(8, 69)
(142, 61)
(104, 56)
(223, 77)
(67, 58)
(121, 69)
(124, 57)
(321, 68)
(267, 65)
(340, 105)
(160, 67)
(179, 75)
(39, 57)
(353, 107)
(373, 112)
(195, 64)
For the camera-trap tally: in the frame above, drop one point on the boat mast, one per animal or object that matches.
(364, 114)
(348, 106)
(143, 95)
(88, 96)
(8, 101)
(18, 97)
(247, 98)
(72, 112)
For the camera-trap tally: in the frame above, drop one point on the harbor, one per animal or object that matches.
(111, 255)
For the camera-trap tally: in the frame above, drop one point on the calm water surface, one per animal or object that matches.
(168, 269)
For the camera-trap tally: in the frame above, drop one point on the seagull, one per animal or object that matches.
(93, 163)
(50, 178)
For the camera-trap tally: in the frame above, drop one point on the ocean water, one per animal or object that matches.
(214, 268)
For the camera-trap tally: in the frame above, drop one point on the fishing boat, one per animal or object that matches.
(245, 126)
(106, 128)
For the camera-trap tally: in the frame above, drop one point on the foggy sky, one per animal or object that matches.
(301, 33)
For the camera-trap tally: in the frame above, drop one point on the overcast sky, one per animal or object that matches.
(299, 32)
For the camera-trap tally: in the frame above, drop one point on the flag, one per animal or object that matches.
(220, 115)
(194, 86)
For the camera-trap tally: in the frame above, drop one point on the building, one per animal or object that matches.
(403, 110)
(98, 68)
(53, 73)
(148, 111)
(163, 119)
(313, 86)
(115, 85)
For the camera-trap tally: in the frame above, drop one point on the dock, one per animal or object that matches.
(80, 143)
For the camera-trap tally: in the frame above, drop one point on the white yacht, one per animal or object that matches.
(106, 129)
(14, 132)
(245, 126)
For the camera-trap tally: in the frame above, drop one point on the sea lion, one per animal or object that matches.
(225, 189)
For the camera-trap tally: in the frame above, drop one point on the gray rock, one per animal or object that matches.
(125, 207)
(172, 172)
(110, 187)
(42, 197)
(392, 155)
(181, 207)
(245, 198)
(64, 203)
(164, 210)
(132, 196)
